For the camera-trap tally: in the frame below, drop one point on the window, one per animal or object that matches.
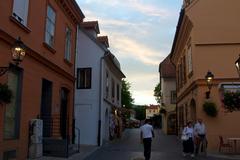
(84, 76)
(68, 44)
(173, 97)
(9, 155)
(13, 110)
(50, 26)
(189, 57)
(107, 85)
(118, 92)
(113, 89)
(20, 11)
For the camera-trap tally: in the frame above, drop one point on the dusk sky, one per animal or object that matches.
(140, 34)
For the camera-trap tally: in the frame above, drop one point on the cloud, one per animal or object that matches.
(128, 47)
(144, 97)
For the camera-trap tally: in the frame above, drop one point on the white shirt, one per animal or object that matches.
(199, 129)
(146, 130)
(188, 132)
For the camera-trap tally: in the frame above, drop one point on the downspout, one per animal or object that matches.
(75, 63)
(101, 98)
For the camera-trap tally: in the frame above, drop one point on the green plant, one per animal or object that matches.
(5, 94)
(163, 111)
(210, 109)
(232, 101)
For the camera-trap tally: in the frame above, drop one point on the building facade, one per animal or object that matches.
(152, 110)
(43, 84)
(168, 97)
(98, 86)
(204, 42)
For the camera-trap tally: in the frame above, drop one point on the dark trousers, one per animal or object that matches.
(199, 141)
(188, 146)
(147, 148)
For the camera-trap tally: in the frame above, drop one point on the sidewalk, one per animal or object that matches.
(85, 151)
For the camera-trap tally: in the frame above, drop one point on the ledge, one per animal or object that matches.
(49, 48)
(26, 29)
(68, 62)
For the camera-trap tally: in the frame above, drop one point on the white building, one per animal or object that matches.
(98, 85)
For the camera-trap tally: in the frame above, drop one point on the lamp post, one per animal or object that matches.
(237, 64)
(209, 79)
(18, 53)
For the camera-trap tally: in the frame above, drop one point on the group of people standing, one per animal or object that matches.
(192, 137)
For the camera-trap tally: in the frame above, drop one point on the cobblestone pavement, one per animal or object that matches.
(164, 147)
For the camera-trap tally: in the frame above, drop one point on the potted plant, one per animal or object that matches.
(210, 109)
(163, 111)
(5, 94)
(232, 101)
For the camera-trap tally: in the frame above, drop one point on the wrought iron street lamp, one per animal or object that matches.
(237, 64)
(18, 53)
(209, 79)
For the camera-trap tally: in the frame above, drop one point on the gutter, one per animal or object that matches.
(100, 98)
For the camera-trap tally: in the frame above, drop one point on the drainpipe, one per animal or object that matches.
(101, 98)
(73, 111)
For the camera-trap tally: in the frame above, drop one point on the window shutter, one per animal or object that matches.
(20, 10)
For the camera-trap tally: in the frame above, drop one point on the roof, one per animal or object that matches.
(103, 40)
(167, 69)
(151, 106)
(180, 19)
(91, 25)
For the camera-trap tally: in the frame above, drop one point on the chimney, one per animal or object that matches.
(91, 27)
(103, 40)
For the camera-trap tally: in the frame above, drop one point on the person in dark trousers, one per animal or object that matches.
(146, 136)
(188, 145)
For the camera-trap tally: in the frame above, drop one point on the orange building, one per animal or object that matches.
(207, 39)
(43, 84)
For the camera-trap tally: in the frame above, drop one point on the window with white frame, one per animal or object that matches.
(67, 55)
(20, 11)
(50, 26)
(107, 84)
(84, 76)
(118, 92)
(189, 58)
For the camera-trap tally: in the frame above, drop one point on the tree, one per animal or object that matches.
(157, 93)
(127, 99)
(140, 112)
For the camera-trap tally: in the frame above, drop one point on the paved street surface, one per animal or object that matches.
(164, 147)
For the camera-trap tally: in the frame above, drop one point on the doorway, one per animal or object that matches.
(46, 107)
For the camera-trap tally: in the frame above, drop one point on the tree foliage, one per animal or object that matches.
(5, 94)
(140, 112)
(127, 99)
(157, 93)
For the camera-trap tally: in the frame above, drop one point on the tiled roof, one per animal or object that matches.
(91, 25)
(167, 69)
(103, 39)
(152, 106)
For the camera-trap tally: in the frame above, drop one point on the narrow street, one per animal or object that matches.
(164, 147)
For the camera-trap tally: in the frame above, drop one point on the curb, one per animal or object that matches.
(233, 157)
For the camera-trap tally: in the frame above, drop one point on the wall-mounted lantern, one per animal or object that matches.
(209, 79)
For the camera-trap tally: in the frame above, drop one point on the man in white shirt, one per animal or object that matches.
(200, 134)
(146, 136)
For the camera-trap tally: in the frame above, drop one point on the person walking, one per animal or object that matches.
(200, 136)
(146, 136)
(188, 145)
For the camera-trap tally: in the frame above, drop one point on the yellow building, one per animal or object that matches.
(152, 110)
(207, 39)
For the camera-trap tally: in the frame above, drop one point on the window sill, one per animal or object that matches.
(68, 62)
(49, 48)
(26, 29)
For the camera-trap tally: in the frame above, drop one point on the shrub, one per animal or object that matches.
(210, 109)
